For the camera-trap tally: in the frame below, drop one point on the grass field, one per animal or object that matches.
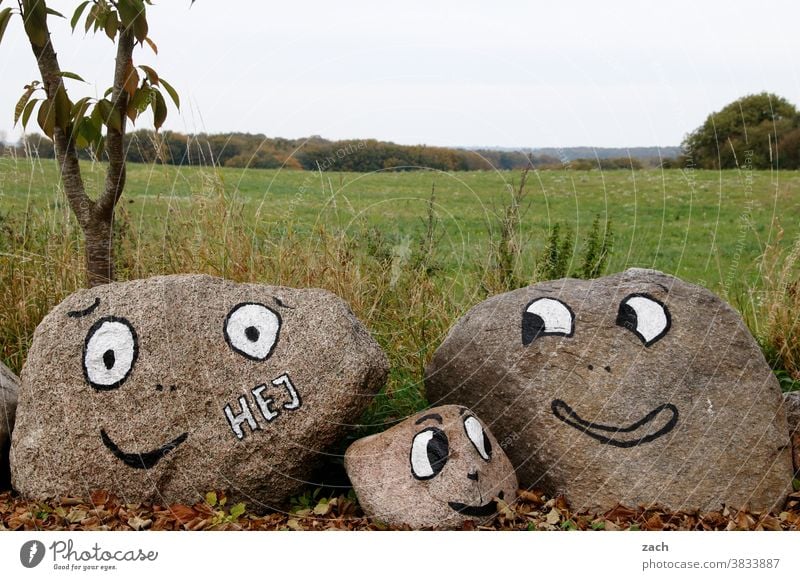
(704, 226)
(410, 264)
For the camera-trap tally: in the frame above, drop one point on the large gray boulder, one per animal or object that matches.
(635, 388)
(437, 469)
(9, 383)
(166, 388)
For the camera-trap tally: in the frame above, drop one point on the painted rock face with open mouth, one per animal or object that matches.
(437, 468)
(637, 388)
(166, 388)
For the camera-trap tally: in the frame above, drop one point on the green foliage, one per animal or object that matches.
(759, 131)
(221, 514)
(597, 250)
(86, 120)
(557, 255)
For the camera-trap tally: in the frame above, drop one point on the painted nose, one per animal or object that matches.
(473, 475)
(160, 387)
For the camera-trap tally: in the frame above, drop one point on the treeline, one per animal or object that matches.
(316, 153)
(759, 131)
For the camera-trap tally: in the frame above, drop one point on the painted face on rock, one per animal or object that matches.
(437, 468)
(640, 315)
(164, 388)
(111, 350)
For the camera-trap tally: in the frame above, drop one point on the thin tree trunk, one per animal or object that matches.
(95, 218)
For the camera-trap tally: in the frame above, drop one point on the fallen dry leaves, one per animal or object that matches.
(532, 511)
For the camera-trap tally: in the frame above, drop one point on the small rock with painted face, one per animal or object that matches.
(8, 407)
(166, 388)
(439, 468)
(636, 388)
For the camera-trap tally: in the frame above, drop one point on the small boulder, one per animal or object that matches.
(636, 388)
(166, 388)
(439, 468)
(8, 406)
(792, 404)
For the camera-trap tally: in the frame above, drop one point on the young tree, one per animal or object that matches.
(96, 124)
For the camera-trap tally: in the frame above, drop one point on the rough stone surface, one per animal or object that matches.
(437, 468)
(8, 407)
(622, 401)
(792, 405)
(203, 348)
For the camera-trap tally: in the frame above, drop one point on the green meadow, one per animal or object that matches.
(410, 251)
(708, 227)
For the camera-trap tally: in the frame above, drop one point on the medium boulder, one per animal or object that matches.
(8, 407)
(636, 388)
(438, 468)
(166, 388)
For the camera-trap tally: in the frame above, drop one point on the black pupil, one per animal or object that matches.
(438, 451)
(626, 317)
(532, 327)
(109, 359)
(487, 446)
(251, 332)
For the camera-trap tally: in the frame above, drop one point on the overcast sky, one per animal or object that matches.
(466, 73)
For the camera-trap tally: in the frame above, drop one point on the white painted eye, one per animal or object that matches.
(546, 316)
(252, 330)
(478, 437)
(645, 316)
(430, 450)
(109, 352)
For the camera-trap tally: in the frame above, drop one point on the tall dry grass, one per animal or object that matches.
(772, 309)
(402, 296)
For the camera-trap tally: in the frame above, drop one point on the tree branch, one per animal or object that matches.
(115, 147)
(66, 153)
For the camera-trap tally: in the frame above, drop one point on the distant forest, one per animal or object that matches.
(316, 153)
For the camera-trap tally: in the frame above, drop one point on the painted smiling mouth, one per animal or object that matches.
(476, 511)
(641, 431)
(141, 460)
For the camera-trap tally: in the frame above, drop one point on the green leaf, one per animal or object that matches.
(5, 17)
(23, 101)
(173, 94)
(127, 12)
(56, 13)
(152, 75)
(76, 16)
(79, 109)
(109, 115)
(91, 17)
(237, 510)
(72, 75)
(63, 108)
(138, 103)
(26, 114)
(159, 109)
(47, 117)
(140, 28)
(211, 498)
(111, 25)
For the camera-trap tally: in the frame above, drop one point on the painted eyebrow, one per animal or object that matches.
(434, 416)
(280, 303)
(85, 311)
